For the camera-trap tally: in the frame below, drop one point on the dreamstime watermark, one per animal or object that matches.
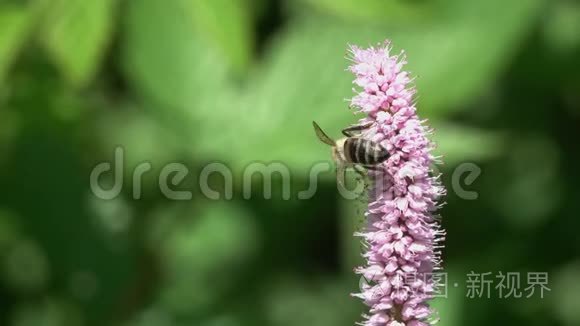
(172, 175)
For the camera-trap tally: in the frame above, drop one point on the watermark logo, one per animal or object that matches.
(271, 174)
(476, 285)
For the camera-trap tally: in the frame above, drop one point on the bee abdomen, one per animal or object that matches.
(364, 151)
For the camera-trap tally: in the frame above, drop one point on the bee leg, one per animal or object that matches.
(341, 175)
(348, 131)
(372, 167)
(364, 177)
(358, 169)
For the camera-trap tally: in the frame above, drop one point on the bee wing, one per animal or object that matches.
(321, 135)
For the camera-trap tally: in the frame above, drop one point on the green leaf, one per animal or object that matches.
(378, 11)
(459, 144)
(171, 66)
(454, 51)
(9, 230)
(49, 311)
(60, 222)
(458, 55)
(199, 251)
(10, 125)
(226, 24)
(26, 267)
(565, 296)
(532, 167)
(14, 25)
(144, 142)
(304, 79)
(562, 28)
(184, 60)
(76, 34)
(320, 302)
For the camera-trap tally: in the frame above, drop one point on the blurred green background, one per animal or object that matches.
(238, 81)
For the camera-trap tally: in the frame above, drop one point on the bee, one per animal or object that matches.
(353, 149)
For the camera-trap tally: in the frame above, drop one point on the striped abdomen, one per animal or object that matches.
(364, 151)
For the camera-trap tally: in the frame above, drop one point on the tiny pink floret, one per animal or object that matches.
(402, 232)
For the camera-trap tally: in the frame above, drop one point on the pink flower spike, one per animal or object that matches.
(402, 229)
